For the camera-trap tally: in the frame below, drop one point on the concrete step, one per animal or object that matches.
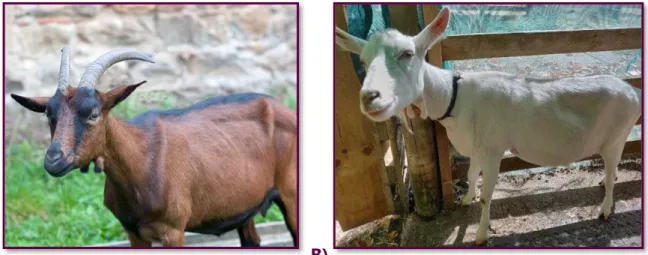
(273, 234)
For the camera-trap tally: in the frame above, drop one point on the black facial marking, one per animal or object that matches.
(86, 100)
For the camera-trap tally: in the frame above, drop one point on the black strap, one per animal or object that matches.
(455, 79)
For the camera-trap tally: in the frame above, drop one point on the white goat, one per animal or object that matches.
(545, 122)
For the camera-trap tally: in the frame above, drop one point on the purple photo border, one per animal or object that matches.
(481, 247)
(297, 234)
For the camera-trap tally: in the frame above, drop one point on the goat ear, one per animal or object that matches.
(36, 104)
(349, 42)
(433, 32)
(115, 96)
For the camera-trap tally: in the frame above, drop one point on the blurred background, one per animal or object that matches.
(200, 51)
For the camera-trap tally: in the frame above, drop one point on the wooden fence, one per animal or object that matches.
(432, 179)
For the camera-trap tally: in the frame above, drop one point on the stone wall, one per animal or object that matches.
(199, 49)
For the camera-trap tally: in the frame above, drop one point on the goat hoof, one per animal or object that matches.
(481, 242)
(466, 201)
(602, 182)
(603, 217)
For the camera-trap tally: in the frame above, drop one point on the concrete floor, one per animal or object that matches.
(272, 234)
(552, 208)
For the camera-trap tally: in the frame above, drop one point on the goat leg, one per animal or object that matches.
(611, 156)
(173, 238)
(490, 169)
(473, 173)
(137, 242)
(248, 234)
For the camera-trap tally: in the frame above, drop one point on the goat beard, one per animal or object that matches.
(405, 116)
(98, 166)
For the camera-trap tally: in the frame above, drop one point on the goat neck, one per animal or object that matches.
(125, 156)
(437, 91)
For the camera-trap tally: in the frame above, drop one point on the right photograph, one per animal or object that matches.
(488, 125)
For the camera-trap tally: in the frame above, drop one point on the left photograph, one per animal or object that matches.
(151, 125)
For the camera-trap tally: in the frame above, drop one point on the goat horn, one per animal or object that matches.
(64, 72)
(97, 68)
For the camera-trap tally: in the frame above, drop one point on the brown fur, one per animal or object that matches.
(177, 172)
(201, 175)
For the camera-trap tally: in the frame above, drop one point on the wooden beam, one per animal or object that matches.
(474, 46)
(635, 82)
(382, 130)
(512, 163)
(397, 142)
(359, 193)
(430, 12)
(420, 148)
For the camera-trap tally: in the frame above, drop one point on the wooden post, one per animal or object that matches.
(381, 143)
(397, 142)
(359, 193)
(420, 148)
(430, 12)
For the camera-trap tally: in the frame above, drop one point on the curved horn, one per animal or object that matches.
(64, 72)
(97, 68)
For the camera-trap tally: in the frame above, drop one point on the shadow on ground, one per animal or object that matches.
(535, 210)
(558, 208)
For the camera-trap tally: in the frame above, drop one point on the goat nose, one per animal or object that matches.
(54, 153)
(53, 156)
(369, 95)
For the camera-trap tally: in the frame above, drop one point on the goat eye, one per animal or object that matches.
(406, 54)
(94, 116)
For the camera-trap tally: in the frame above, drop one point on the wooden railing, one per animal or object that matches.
(474, 46)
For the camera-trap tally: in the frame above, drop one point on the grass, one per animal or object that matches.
(69, 211)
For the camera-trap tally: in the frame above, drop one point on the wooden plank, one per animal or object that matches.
(512, 163)
(474, 46)
(383, 146)
(420, 147)
(397, 142)
(635, 82)
(382, 130)
(447, 185)
(359, 196)
(430, 12)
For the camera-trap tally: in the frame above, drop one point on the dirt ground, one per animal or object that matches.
(553, 208)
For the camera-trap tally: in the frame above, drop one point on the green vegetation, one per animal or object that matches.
(46, 211)
(69, 211)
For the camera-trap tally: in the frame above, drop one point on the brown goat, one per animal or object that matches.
(208, 168)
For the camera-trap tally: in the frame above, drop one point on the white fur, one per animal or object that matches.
(546, 122)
